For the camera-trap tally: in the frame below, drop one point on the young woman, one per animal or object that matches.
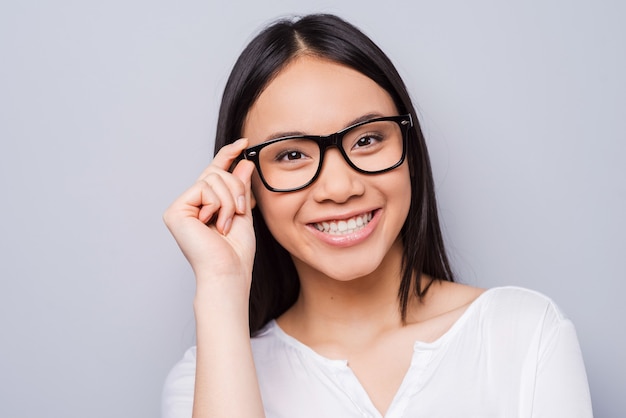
(323, 287)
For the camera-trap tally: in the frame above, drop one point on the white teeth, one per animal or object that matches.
(344, 226)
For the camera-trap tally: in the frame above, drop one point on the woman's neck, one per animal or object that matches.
(355, 311)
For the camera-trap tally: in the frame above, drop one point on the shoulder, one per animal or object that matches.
(507, 310)
(516, 301)
(496, 310)
(507, 298)
(519, 314)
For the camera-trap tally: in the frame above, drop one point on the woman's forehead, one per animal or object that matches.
(314, 96)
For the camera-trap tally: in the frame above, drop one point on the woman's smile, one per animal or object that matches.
(345, 232)
(344, 226)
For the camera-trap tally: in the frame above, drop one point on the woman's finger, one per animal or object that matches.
(199, 201)
(225, 157)
(218, 196)
(225, 197)
(243, 172)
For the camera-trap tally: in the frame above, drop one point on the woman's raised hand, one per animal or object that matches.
(212, 220)
(212, 224)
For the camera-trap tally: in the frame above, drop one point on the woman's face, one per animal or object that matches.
(319, 97)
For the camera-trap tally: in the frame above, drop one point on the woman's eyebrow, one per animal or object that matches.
(363, 118)
(283, 135)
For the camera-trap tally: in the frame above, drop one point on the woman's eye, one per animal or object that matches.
(366, 141)
(290, 156)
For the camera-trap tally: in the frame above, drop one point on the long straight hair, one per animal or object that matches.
(275, 283)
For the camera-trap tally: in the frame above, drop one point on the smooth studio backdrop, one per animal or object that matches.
(107, 113)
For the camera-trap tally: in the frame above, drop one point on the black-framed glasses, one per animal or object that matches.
(292, 163)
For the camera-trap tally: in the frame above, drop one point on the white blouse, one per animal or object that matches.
(511, 354)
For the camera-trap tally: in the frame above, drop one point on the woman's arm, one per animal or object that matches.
(226, 383)
(212, 224)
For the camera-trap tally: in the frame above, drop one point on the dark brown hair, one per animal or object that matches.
(275, 283)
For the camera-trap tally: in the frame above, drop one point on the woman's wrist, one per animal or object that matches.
(222, 296)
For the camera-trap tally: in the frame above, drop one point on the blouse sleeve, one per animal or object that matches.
(177, 398)
(561, 388)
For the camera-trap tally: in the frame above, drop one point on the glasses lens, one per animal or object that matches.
(374, 146)
(292, 163)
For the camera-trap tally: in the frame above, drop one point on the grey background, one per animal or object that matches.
(107, 113)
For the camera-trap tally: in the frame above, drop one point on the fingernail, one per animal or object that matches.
(227, 225)
(240, 141)
(241, 204)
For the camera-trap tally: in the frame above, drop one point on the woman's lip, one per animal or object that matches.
(347, 239)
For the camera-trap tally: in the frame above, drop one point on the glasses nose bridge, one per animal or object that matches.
(329, 141)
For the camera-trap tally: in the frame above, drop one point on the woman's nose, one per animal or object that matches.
(337, 182)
